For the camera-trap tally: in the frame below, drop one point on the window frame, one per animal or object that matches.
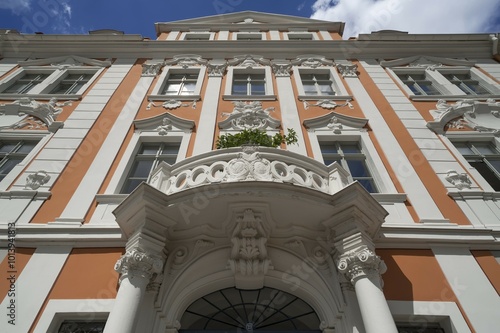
(127, 161)
(268, 84)
(286, 35)
(56, 75)
(236, 35)
(381, 178)
(185, 35)
(452, 138)
(42, 139)
(163, 79)
(447, 89)
(337, 86)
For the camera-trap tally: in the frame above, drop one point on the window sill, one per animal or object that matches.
(59, 97)
(322, 97)
(451, 97)
(174, 97)
(249, 97)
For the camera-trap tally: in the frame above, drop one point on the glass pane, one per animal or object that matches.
(239, 88)
(495, 164)
(309, 89)
(170, 149)
(171, 88)
(368, 185)
(487, 174)
(414, 89)
(141, 169)
(26, 147)
(464, 149)
(8, 165)
(350, 148)
(130, 185)
(258, 88)
(429, 89)
(188, 88)
(358, 168)
(149, 149)
(328, 148)
(7, 146)
(70, 326)
(485, 148)
(326, 89)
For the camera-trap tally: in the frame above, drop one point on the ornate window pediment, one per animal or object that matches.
(312, 61)
(336, 122)
(426, 62)
(249, 115)
(65, 62)
(478, 116)
(164, 123)
(249, 61)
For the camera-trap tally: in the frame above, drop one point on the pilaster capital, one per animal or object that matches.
(139, 263)
(348, 69)
(216, 69)
(151, 69)
(281, 69)
(360, 263)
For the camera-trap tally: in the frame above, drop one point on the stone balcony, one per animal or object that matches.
(251, 163)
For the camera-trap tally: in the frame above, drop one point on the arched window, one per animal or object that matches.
(262, 310)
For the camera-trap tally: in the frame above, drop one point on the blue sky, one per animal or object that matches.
(361, 16)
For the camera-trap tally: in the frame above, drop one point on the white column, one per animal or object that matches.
(205, 133)
(289, 112)
(137, 269)
(363, 268)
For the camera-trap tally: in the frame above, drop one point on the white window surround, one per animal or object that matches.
(41, 137)
(58, 310)
(446, 314)
(252, 35)
(374, 163)
(188, 34)
(301, 35)
(337, 86)
(451, 137)
(42, 90)
(269, 91)
(162, 80)
(122, 171)
(447, 90)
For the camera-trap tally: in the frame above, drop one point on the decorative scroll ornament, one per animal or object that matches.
(459, 180)
(335, 125)
(249, 115)
(249, 167)
(359, 263)
(249, 252)
(282, 69)
(171, 104)
(467, 113)
(151, 69)
(15, 112)
(186, 60)
(137, 263)
(35, 180)
(311, 61)
(165, 127)
(249, 61)
(328, 104)
(348, 70)
(216, 69)
(426, 63)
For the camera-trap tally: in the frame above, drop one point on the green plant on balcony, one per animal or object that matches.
(255, 137)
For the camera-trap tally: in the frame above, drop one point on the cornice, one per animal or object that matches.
(227, 49)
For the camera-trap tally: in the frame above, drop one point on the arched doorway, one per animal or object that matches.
(261, 310)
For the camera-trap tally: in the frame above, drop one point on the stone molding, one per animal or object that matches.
(249, 61)
(151, 69)
(312, 61)
(35, 180)
(348, 70)
(360, 263)
(282, 69)
(460, 181)
(216, 69)
(139, 263)
(249, 115)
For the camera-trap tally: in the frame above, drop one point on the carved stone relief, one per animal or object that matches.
(249, 115)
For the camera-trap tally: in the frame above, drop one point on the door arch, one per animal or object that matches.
(262, 310)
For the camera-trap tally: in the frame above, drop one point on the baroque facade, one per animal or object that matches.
(118, 214)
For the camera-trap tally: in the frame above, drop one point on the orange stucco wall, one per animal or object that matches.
(22, 256)
(74, 172)
(490, 267)
(431, 181)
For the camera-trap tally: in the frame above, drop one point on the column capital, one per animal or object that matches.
(348, 69)
(216, 68)
(151, 69)
(139, 263)
(361, 263)
(281, 69)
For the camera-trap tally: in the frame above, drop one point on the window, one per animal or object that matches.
(350, 156)
(12, 152)
(419, 84)
(43, 81)
(249, 84)
(466, 83)
(70, 326)
(185, 83)
(197, 36)
(148, 157)
(445, 82)
(319, 83)
(261, 310)
(425, 328)
(249, 36)
(299, 36)
(180, 84)
(484, 156)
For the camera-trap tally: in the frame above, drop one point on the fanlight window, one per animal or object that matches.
(262, 310)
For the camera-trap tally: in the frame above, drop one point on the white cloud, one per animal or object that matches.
(414, 16)
(16, 6)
